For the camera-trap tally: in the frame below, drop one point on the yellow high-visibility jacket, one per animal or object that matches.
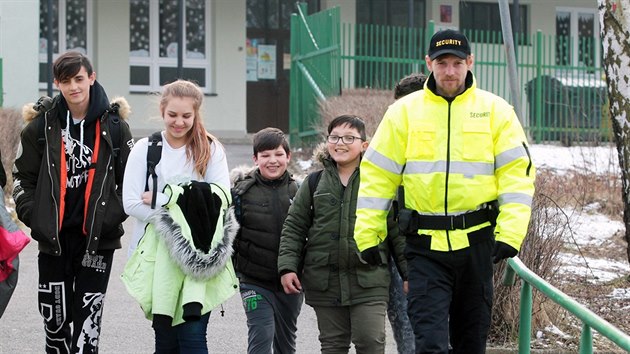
(451, 157)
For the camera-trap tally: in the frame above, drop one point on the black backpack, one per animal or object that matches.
(313, 180)
(154, 154)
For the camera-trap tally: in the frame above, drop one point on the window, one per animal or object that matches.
(576, 37)
(153, 43)
(391, 12)
(70, 30)
(482, 23)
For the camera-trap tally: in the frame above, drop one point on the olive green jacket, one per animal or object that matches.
(322, 239)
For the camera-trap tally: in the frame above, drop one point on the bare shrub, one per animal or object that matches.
(11, 124)
(368, 104)
(549, 234)
(539, 253)
(365, 103)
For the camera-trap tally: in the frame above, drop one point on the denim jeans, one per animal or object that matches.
(186, 338)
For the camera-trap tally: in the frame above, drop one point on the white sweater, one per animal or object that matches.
(172, 168)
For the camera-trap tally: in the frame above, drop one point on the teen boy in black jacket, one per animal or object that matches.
(67, 189)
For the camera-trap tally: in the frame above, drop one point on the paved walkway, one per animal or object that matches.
(125, 330)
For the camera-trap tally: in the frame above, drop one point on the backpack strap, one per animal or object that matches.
(113, 120)
(239, 189)
(154, 154)
(43, 104)
(313, 180)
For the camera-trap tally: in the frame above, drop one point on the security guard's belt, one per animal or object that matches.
(410, 221)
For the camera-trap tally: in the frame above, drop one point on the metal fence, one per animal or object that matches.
(561, 101)
(315, 69)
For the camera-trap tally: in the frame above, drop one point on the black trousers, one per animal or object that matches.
(71, 290)
(450, 294)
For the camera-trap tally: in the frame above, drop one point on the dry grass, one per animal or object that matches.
(539, 253)
(367, 104)
(11, 124)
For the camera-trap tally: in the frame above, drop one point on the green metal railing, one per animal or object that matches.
(561, 101)
(563, 94)
(588, 318)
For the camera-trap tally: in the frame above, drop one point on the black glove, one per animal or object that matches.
(502, 251)
(372, 256)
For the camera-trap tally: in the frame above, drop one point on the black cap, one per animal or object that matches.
(449, 42)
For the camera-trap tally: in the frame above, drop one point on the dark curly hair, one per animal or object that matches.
(409, 84)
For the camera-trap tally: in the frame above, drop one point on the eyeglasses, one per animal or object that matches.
(346, 139)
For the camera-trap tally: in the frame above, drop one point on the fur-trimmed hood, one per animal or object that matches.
(239, 173)
(320, 153)
(321, 157)
(45, 103)
(193, 262)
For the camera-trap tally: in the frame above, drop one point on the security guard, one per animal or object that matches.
(468, 178)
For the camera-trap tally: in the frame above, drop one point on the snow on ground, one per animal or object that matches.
(596, 159)
(589, 229)
(592, 229)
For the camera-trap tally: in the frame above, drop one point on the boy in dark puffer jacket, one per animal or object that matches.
(262, 198)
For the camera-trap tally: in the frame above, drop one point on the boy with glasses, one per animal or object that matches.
(347, 290)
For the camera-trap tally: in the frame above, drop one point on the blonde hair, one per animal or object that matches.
(197, 145)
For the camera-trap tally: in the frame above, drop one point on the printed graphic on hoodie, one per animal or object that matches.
(78, 158)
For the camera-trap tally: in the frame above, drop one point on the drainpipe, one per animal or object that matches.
(49, 46)
(508, 42)
(181, 7)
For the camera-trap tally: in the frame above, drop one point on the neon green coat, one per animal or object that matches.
(452, 157)
(166, 271)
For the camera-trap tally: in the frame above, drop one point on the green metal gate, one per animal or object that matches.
(315, 69)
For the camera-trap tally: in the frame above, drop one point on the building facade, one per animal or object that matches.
(237, 50)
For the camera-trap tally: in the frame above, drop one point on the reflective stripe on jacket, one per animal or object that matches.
(451, 157)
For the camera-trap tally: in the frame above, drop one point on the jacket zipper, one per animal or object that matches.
(52, 194)
(100, 195)
(98, 200)
(448, 168)
(529, 157)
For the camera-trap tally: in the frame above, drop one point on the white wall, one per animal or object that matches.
(225, 112)
(348, 9)
(542, 12)
(19, 33)
(110, 55)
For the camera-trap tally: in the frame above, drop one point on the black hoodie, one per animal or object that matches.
(78, 140)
